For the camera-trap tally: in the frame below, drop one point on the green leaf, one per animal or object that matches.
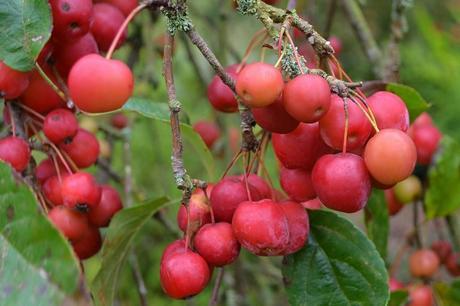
(25, 27)
(414, 101)
(398, 298)
(160, 112)
(443, 194)
(38, 265)
(339, 266)
(120, 235)
(377, 221)
(448, 294)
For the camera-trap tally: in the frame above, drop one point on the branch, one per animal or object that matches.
(392, 60)
(362, 30)
(250, 142)
(215, 291)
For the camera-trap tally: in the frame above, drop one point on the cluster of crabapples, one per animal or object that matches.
(71, 76)
(331, 150)
(424, 264)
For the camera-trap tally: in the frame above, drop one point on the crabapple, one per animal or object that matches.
(97, 84)
(297, 184)
(107, 20)
(220, 95)
(424, 263)
(342, 182)
(390, 156)
(71, 223)
(15, 151)
(108, 206)
(389, 110)
(80, 189)
(298, 224)
(259, 84)
(60, 125)
(83, 149)
(274, 118)
(209, 132)
(12, 82)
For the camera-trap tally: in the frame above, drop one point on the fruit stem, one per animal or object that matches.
(345, 133)
(28, 109)
(59, 92)
(254, 40)
(56, 167)
(245, 172)
(374, 125)
(208, 202)
(61, 157)
(363, 100)
(280, 58)
(13, 124)
(188, 229)
(122, 28)
(231, 164)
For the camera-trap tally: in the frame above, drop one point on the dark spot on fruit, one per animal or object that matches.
(83, 207)
(65, 7)
(10, 213)
(74, 25)
(68, 140)
(55, 117)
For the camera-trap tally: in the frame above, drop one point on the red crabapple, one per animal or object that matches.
(259, 84)
(307, 98)
(217, 244)
(107, 19)
(51, 189)
(332, 125)
(119, 121)
(12, 82)
(426, 139)
(421, 295)
(260, 184)
(453, 264)
(71, 18)
(395, 285)
(15, 151)
(342, 182)
(299, 227)
(83, 149)
(98, 85)
(389, 110)
(125, 6)
(390, 156)
(60, 125)
(71, 223)
(209, 132)
(274, 118)
(184, 275)
(297, 184)
(442, 248)
(261, 227)
(394, 206)
(108, 206)
(80, 189)
(220, 95)
(89, 244)
(199, 214)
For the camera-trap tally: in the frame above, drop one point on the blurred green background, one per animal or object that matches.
(430, 63)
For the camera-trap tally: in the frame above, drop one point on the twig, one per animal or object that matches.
(417, 238)
(104, 165)
(453, 227)
(330, 17)
(359, 24)
(215, 291)
(137, 275)
(247, 121)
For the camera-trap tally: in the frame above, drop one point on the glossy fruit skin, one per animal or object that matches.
(421, 296)
(39, 96)
(12, 82)
(299, 226)
(227, 195)
(217, 244)
(307, 97)
(184, 275)
(342, 182)
(52, 190)
(259, 84)
(220, 95)
(424, 263)
(332, 125)
(261, 227)
(389, 110)
(177, 246)
(390, 156)
(125, 6)
(274, 118)
(395, 285)
(89, 244)
(209, 132)
(68, 53)
(44, 170)
(259, 184)
(83, 149)
(80, 189)
(60, 125)
(453, 264)
(408, 190)
(71, 223)
(423, 119)
(71, 18)
(15, 151)
(426, 139)
(100, 85)
(199, 215)
(297, 184)
(107, 19)
(108, 206)
(394, 206)
(299, 148)
(119, 121)
(443, 249)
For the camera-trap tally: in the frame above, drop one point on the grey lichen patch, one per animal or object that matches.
(247, 7)
(289, 63)
(177, 20)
